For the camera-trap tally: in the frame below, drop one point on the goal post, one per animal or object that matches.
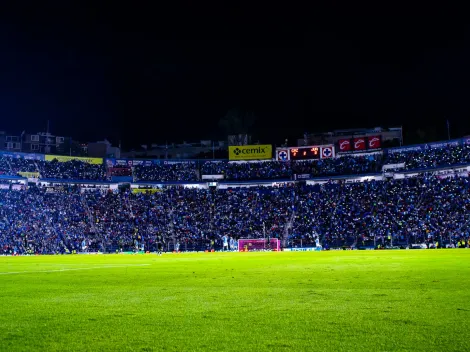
(246, 245)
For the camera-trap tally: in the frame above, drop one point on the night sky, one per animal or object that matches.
(140, 76)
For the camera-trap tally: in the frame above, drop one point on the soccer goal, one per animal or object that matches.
(246, 245)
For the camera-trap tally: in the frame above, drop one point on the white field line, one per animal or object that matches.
(72, 269)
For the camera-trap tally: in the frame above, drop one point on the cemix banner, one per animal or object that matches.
(145, 190)
(250, 152)
(63, 159)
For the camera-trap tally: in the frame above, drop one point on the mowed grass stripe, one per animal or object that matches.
(342, 300)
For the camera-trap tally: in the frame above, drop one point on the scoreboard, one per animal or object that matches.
(303, 153)
(313, 152)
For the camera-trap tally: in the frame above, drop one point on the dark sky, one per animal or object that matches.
(140, 75)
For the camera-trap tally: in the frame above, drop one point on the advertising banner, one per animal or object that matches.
(18, 155)
(364, 179)
(359, 144)
(172, 162)
(146, 190)
(212, 177)
(373, 142)
(345, 179)
(393, 166)
(425, 146)
(129, 162)
(140, 162)
(344, 145)
(302, 176)
(29, 175)
(442, 172)
(250, 152)
(111, 162)
(63, 159)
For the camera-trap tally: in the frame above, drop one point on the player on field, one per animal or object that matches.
(225, 242)
(317, 243)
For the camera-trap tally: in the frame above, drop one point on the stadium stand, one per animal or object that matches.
(394, 212)
(351, 164)
(432, 157)
(167, 172)
(22, 165)
(429, 207)
(72, 170)
(4, 166)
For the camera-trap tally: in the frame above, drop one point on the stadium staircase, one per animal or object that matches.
(171, 226)
(58, 235)
(38, 168)
(288, 227)
(9, 166)
(88, 212)
(133, 175)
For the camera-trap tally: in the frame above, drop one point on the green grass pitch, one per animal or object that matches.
(289, 301)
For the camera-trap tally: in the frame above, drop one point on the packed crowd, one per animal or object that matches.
(378, 213)
(415, 210)
(73, 170)
(23, 165)
(167, 172)
(120, 170)
(432, 157)
(36, 221)
(12, 166)
(4, 166)
(248, 170)
(242, 171)
(345, 165)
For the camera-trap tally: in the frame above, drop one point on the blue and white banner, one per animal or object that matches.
(426, 146)
(461, 171)
(19, 155)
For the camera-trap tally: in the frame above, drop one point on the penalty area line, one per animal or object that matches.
(71, 269)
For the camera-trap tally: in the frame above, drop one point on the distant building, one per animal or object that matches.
(2, 140)
(12, 143)
(103, 149)
(45, 143)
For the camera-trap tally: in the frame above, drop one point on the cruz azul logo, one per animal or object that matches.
(374, 142)
(359, 144)
(327, 152)
(344, 145)
(282, 155)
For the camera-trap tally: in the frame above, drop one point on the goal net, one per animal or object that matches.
(245, 245)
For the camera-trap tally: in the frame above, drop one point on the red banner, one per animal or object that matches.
(373, 142)
(344, 145)
(359, 143)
